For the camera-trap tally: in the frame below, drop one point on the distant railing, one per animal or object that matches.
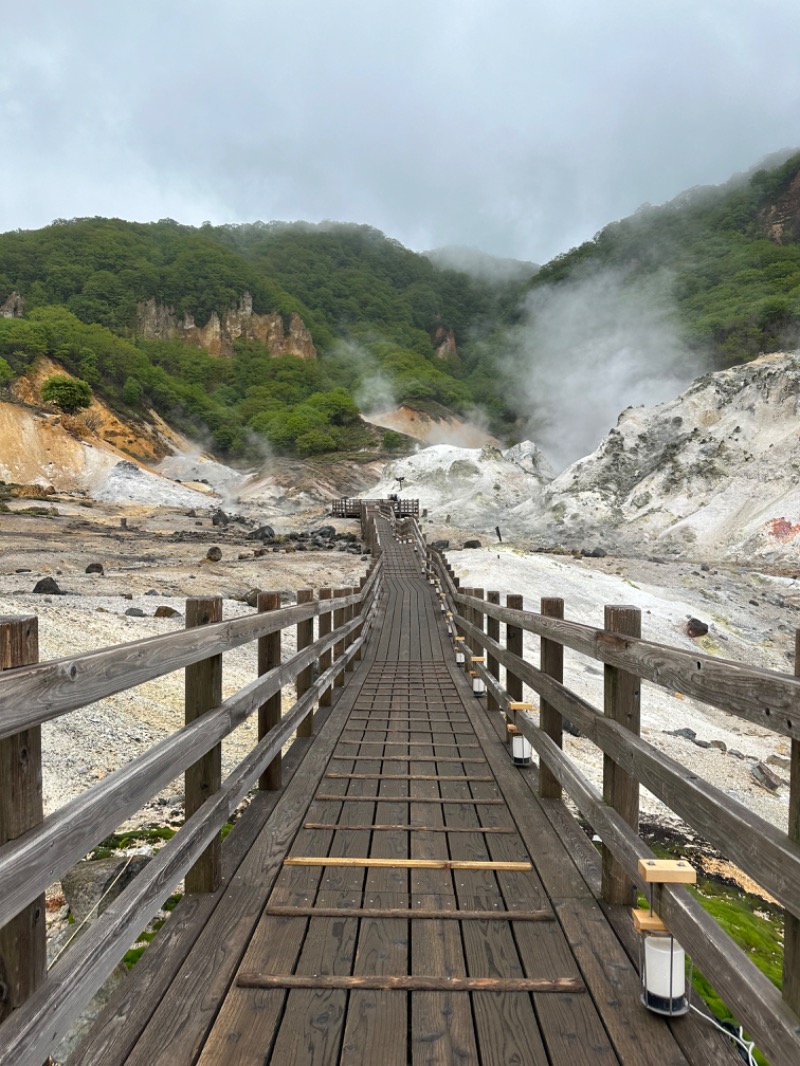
(36, 1007)
(769, 699)
(352, 506)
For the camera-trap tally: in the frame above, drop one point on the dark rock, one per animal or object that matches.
(705, 567)
(326, 532)
(262, 533)
(736, 753)
(720, 745)
(23, 570)
(192, 513)
(127, 595)
(151, 592)
(301, 547)
(685, 733)
(135, 612)
(95, 568)
(48, 586)
(702, 743)
(258, 552)
(765, 777)
(779, 760)
(595, 553)
(214, 554)
(441, 545)
(91, 885)
(219, 518)
(163, 611)
(472, 544)
(696, 628)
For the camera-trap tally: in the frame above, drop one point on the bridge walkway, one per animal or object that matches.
(406, 768)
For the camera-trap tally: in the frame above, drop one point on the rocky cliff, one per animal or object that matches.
(158, 322)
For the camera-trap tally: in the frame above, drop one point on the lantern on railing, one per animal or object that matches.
(478, 684)
(666, 987)
(521, 750)
(461, 656)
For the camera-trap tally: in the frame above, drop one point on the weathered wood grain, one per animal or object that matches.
(412, 983)
(305, 638)
(36, 694)
(269, 713)
(766, 697)
(752, 843)
(413, 912)
(23, 954)
(552, 664)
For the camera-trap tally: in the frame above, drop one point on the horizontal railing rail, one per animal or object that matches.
(772, 700)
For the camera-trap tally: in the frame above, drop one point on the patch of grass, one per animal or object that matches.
(152, 834)
(130, 958)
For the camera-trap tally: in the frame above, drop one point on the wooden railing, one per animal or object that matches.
(37, 1008)
(768, 855)
(351, 507)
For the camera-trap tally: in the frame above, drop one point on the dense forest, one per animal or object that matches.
(376, 311)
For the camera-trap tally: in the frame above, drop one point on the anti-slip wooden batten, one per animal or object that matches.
(403, 864)
(411, 983)
(415, 913)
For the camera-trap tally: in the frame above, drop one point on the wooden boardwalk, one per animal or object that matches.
(406, 768)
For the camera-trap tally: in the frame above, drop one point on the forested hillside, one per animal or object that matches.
(732, 255)
(385, 322)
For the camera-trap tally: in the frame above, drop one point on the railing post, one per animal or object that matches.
(477, 621)
(620, 789)
(791, 939)
(360, 628)
(552, 664)
(492, 665)
(305, 679)
(350, 615)
(339, 619)
(203, 691)
(514, 646)
(23, 954)
(325, 659)
(269, 713)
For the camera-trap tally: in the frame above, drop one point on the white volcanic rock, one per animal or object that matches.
(128, 483)
(713, 473)
(477, 487)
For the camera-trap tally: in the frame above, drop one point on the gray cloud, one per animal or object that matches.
(515, 126)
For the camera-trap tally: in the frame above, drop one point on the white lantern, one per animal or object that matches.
(478, 686)
(460, 657)
(662, 961)
(521, 750)
(664, 975)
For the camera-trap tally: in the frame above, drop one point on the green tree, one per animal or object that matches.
(67, 394)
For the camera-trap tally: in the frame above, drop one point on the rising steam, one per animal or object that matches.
(589, 349)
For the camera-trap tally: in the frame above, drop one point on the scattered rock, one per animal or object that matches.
(472, 544)
(765, 777)
(214, 554)
(23, 570)
(702, 743)
(685, 733)
(135, 612)
(219, 518)
(595, 553)
(48, 586)
(779, 760)
(95, 568)
(736, 753)
(163, 611)
(720, 745)
(91, 883)
(151, 592)
(262, 533)
(441, 545)
(696, 628)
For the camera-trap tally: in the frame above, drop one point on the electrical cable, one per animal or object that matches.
(747, 1046)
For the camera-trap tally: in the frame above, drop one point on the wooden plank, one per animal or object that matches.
(23, 952)
(414, 912)
(408, 777)
(377, 1023)
(412, 983)
(639, 1038)
(203, 692)
(766, 697)
(325, 626)
(416, 758)
(380, 799)
(406, 828)
(119, 1026)
(408, 864)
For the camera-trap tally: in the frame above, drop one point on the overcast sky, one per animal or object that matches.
(519, 127)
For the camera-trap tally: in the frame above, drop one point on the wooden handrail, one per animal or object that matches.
(769, 855)
(35, 694)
